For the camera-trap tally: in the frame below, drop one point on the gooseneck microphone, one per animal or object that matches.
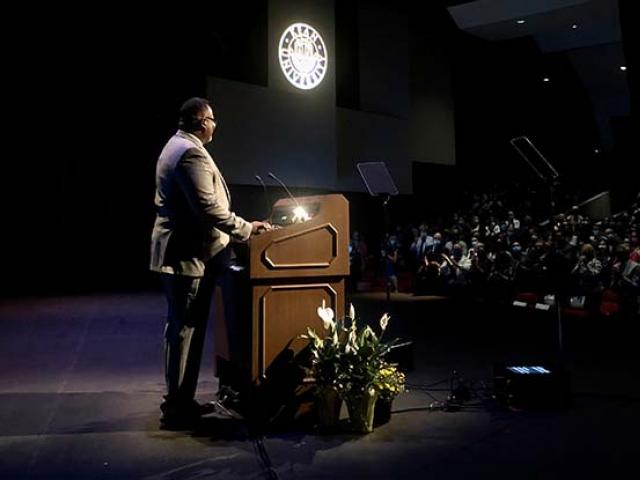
(271, 175)
(267, 200)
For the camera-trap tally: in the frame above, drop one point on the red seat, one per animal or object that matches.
(576, 312)
(610, 296)
(609, 308)
(610, 304)
(527, 297)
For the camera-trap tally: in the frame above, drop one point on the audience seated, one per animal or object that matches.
(498, 245)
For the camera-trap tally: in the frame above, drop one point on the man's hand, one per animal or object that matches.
(259, 227)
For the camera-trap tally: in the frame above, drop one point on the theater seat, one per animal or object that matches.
(609, 308)
(610, 296)
(527, 297)
(576, 312)
(610, 304)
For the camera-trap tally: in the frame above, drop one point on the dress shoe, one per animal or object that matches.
(183, 415)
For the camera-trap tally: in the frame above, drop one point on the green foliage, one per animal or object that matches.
(351, 359)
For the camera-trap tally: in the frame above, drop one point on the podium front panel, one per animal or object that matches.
(281, 313)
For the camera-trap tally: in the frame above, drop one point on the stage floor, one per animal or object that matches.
(81, 380)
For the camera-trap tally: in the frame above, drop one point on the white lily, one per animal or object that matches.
(351, 344)
(384, 320)
(326, 314)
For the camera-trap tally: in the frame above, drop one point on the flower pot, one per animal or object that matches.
(361, 408)
(382, 411)
(328, 404)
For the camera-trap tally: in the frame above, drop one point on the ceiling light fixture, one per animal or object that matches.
(520, 22)
(574, 26)
(623, 68)
(545, 79)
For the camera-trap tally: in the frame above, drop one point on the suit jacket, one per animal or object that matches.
(193, 216)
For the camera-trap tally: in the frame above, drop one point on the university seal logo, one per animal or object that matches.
(303, 56)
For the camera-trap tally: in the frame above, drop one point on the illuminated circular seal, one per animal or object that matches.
(303, 56)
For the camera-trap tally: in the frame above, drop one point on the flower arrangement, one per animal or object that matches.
(327, 353)
(349, 361)
(390, 383)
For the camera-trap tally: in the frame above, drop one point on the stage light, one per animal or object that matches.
(532, 386)
(623, 68)
(303, 56)
(520, 22)
(529, 370)
(574, 26)
(546, 79)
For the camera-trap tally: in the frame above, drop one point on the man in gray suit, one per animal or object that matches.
(189, 241)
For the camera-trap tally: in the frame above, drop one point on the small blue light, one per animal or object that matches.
(529, 370)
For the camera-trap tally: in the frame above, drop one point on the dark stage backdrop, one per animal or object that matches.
(97, 98)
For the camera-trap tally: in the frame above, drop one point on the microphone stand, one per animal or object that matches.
(385, 221)
(271, 175)
(267, 199)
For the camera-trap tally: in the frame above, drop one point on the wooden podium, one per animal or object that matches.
(289, 272)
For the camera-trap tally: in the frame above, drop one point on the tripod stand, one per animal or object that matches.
(378, 181)
(549, 177)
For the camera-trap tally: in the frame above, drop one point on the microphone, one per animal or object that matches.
(271, 175)
(299, 213)
(266, 197)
